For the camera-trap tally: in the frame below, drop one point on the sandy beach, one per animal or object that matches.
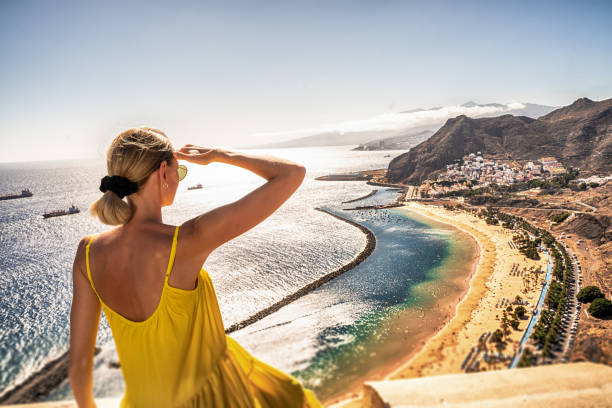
(479, 311)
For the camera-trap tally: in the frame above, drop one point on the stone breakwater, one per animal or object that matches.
(370, 194)
(374, 207)
(370, 245)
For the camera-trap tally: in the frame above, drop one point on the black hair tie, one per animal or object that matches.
(119, 185)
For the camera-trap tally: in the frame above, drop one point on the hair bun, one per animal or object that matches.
(119, 185)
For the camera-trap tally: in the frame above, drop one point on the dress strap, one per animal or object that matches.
(88, 269)
(172, 253)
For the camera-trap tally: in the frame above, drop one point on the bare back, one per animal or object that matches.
(128, 268)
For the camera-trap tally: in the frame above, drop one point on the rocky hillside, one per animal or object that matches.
(578, 135)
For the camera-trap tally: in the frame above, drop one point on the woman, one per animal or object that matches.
(148, 278)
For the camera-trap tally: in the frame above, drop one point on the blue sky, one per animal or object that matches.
(74, 74)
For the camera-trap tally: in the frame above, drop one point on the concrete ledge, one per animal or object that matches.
(559, 386)
(100, 403)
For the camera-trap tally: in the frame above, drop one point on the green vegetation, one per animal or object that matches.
(520, 312)
(555, 183)
(589, 293)
(445, 183)
(497, 336)
(492, 221)
(528, 247)
(554, 295)
(548, 327)
(601, 307)
(514, 324)
(527, 359)
(467, 192)
(558, 218)
(541, 328)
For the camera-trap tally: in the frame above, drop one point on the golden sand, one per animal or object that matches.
(476, 313)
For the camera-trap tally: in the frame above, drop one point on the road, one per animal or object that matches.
(586, 205)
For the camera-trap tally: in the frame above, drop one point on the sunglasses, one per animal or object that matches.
(182, 171)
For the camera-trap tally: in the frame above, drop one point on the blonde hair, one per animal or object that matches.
(134, 154)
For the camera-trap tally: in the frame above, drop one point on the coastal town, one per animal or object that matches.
(473, 172)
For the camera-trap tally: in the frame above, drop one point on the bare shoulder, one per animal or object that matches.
(79, 259)
(191, 242)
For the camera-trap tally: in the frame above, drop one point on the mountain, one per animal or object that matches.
(401, 124)
(403, 142)
(578, 135)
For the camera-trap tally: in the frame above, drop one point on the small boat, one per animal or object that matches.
(197, 186)
(57, 213)
(24, 193)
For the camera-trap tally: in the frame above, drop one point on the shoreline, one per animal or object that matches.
(385, 372)
(474, 269)
(477, 312)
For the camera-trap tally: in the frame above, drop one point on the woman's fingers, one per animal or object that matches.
(192, 149)
(196, 154)
(188, 148)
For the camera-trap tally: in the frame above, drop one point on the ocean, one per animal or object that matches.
(329, 339)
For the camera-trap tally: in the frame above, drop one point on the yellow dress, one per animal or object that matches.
(181, 357)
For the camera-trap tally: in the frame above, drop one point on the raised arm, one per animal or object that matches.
(84, 319)
(213, 228)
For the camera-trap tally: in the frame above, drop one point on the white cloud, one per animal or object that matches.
(397, 121)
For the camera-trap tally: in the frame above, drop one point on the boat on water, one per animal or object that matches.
(197, 186)
(57, 213)
(24, 193)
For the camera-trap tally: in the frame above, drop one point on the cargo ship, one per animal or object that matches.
(57, 213)
(24, 193)
(197, 186)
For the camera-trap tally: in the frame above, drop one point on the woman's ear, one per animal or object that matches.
(162, 172)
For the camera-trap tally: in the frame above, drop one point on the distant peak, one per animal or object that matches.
(582, 102)
(459, 118)
(469, 104)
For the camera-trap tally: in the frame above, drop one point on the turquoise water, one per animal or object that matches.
(373, 314)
